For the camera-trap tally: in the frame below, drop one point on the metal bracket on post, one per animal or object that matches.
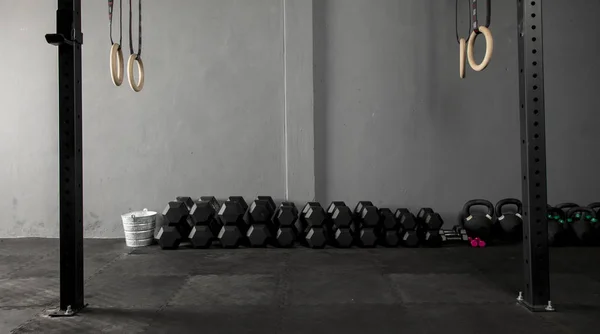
(536, 287)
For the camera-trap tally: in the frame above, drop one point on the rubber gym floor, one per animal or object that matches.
(147, 290)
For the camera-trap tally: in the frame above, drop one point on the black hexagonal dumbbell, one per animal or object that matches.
(240, 200)
(203, 220)
(175, 215)
(390, 228)
(311, 225)
(340, 220)
(258, 221)
(366, 224)
(408, 224)
(168, 237)
(215, 225)
(284, 224)
(188, 201)
(429, 224)
(233, 228)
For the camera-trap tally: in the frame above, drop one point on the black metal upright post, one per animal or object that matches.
(536, 288)
(68, 38)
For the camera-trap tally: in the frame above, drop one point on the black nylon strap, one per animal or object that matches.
(456, 21)
(139, 53)
(474, 11)
(110, 19)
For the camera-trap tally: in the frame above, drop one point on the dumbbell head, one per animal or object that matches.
(410, 238)
(239, 199)
(390, 238)
(202, 213)
(333, 205)
(188, 201)
(259, 212)
(231, 213)
(361, 205)
(313, 214)
(230, 236)
(316, 237)
(168, 237)
(258, 235)
(286, 215)
(366, 237)
(341, 216)
(368, 216)
(212, 200)
(175, 213)
(430, 219)
(201, 236)
(285, 236)
(388, 219)
(342, 237)
(406, 218)
(270, 200)
(432, 238)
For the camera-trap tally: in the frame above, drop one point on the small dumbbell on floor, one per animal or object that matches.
(429, 225)
(258, 221)
(204, 222)
(390, 228)
(408, 224)
(311, 226)
(284, 224)
(339, 223)
(231, 216)
(366, 224)
(456, 235)
(175, 227)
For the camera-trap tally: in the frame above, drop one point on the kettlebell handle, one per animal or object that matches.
(508, 201)
(554, 211)
(568, 205)
(594, 205)
(477, 202)
(580, 209)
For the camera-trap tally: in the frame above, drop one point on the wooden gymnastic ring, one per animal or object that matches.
(488, 50)
(116, 64)
(136, 86)
(462, 57)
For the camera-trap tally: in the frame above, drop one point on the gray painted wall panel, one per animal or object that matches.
(392, 121)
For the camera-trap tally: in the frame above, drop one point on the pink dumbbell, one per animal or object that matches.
(473, 242)
(480, 242)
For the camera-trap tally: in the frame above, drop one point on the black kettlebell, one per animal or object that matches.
(511, 223)
(581, 220)
(596, 207)
(478, 225)
(556, 226)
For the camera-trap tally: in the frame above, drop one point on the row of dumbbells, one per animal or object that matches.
(233, 223)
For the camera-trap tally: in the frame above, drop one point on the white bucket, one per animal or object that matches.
(139, 228)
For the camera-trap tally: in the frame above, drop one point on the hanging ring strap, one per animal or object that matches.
(116, 53)
(462, 42)
(135, 57)
(475, 16)
(480, 29)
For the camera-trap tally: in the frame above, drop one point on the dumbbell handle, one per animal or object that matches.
(451, 235)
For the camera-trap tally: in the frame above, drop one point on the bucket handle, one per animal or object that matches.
(144, 211)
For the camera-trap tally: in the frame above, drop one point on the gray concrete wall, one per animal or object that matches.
(210, 119)
(396, 125)
(228, 108)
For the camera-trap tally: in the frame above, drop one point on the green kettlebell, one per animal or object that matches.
(556, 226)
(581, 220)
(596, 207)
